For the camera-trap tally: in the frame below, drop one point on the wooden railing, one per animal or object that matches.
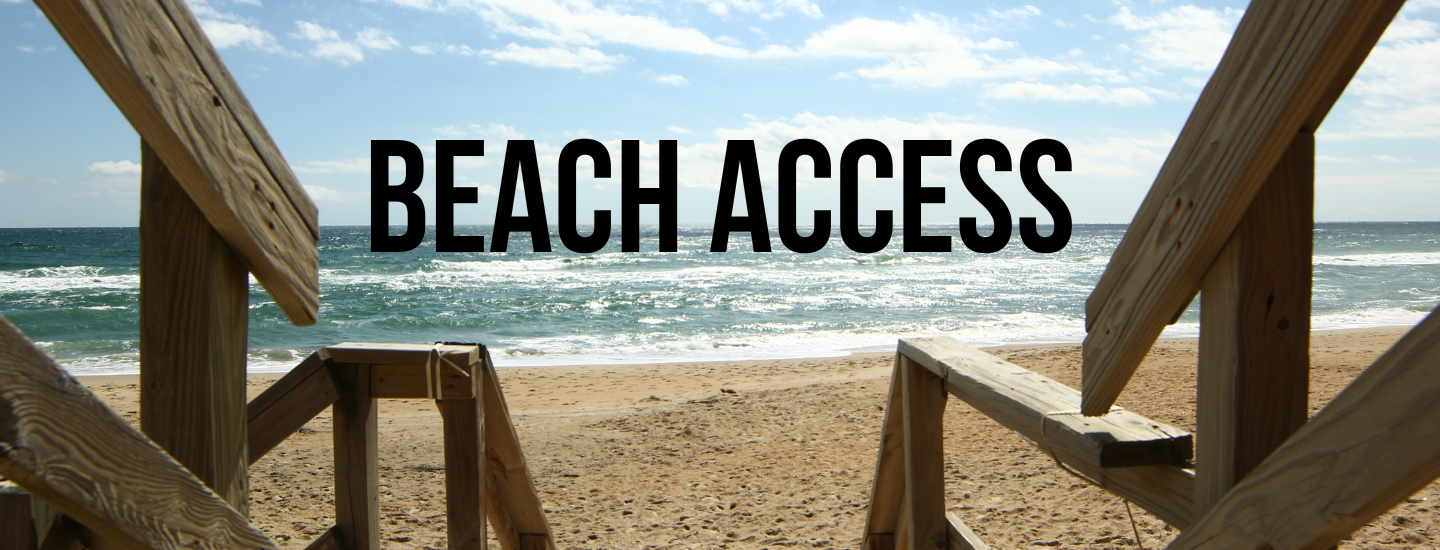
(485, 471)
(1124, 452)
(1230, 217)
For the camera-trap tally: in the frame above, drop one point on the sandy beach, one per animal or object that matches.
(762, 454)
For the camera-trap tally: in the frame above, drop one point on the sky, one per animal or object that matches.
(1112, 80)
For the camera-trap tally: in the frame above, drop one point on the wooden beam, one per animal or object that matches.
(330, 540)
(1374, 445)
(961, 537)
(411, 382)
(357, 491)
(307, 390)
(1254, 373)
(64, 446)
(1024, 401)
(514, 508)
(399, 354)
(464, 472)
(924, 456)
(194, 298)
(887, 491)
(1280, 75)
(165, 77)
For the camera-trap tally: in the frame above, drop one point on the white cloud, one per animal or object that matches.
(226, 34)
(1389, 158)
(1328, 158)
(423, 50)
(497, 131)
(1183, 37)
(1068, 93)
(1398, 98)
(450, 131)
(376, 39)
(582, 23)
(1016, 13)
(587, 60)
(227, 30)
(331, 195)
(32, 49)
(3, 176)
(767, 10)
(111, 167)
(672, 79)
(333, 166)
(927, 51)
(678, 129)
(329, 45)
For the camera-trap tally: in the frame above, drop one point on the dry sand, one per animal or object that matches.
(762, 454)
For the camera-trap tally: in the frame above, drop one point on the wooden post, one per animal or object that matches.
(465, 468)
(924, 513)
(17, 526)
(1253, 383)
(887, 491)
(193, 297)
(357, 491)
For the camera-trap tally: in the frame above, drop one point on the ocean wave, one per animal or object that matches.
(1381, 260)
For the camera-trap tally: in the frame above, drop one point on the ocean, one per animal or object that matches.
(76, 292)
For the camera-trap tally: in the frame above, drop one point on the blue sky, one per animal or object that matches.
(1111, 80)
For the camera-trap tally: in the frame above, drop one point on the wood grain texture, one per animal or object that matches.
(1118, 439)
(63, 445)
(1254, 369)
(514, 509)
(1376, 443)
(307, 390)
(148, 64)
(194, 298)
(1020, 400)
(1279, 75)
(357, 491)
(924, 457)
(329, 540)
(961, 537)
(17, 525)
(464, 473)
(887, 491)
(410, 382)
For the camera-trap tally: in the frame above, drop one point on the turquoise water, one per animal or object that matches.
(76, 292)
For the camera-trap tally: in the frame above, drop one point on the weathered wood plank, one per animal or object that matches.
(1118, 439)
(1280, 75)
(1376, 443)
(17, 526)
(63, 445)
(961, 537)
(194, 298)
(888, 488)
(357, 491)
(1254, 369)
(924, 456)
(330, 540)
(147, 63)
(1022, 400)
(307, 390)
(513, 506)
(399, 354)
(464, 472)
(411, 382)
